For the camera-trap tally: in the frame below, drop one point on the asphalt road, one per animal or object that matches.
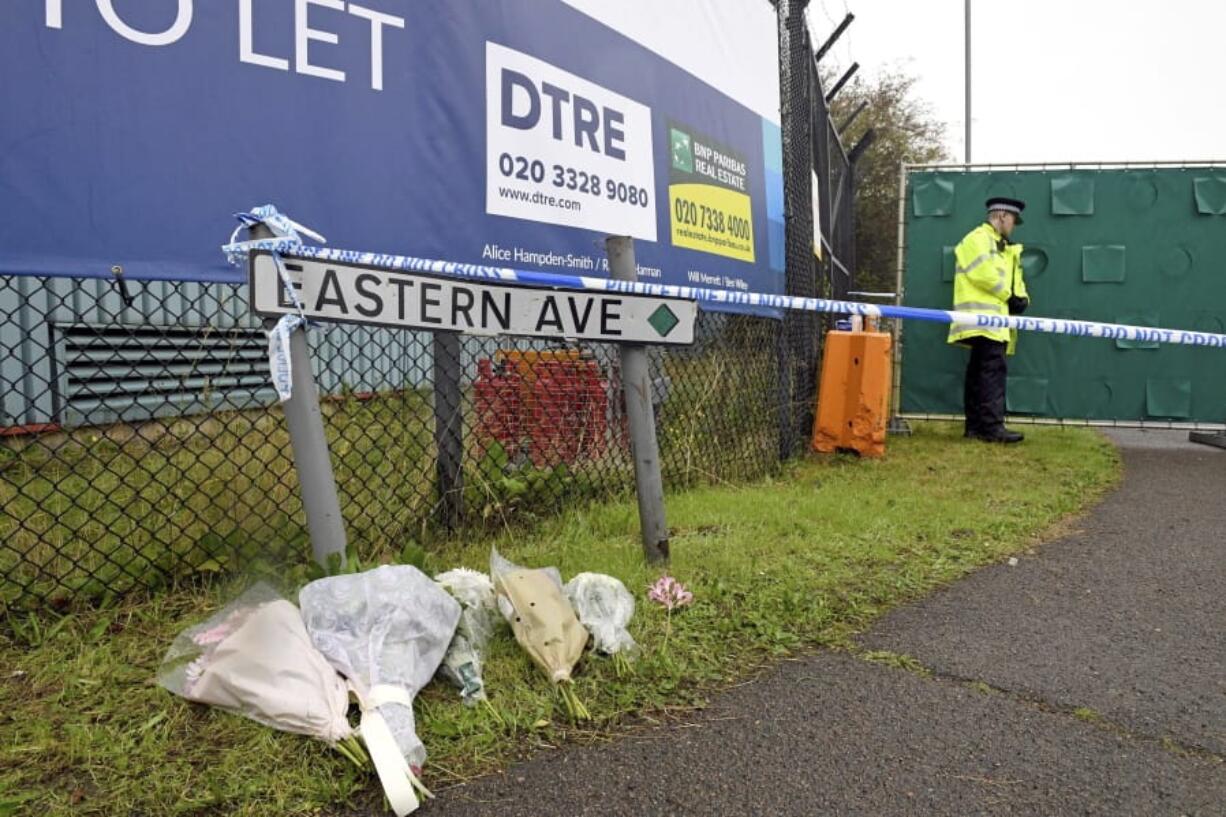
(1103, 667)
(1125, 616)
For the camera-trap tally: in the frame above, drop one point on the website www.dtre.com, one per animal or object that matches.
(539, 198)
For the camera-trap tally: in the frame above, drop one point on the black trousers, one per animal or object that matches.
(983, 395)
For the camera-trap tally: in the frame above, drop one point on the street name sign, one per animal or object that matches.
(360, 294)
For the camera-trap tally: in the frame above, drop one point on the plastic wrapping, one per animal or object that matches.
(542, 619)
(478, 617)
(255, 658)
(386, 627)
(604, 606)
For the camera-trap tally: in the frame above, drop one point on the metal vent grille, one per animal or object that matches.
(132, 373)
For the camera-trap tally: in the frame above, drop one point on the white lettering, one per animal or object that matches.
(246, 39)
(183, 21)
(377, 21)
(304, 34)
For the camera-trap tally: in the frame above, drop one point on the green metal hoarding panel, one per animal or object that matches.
(1143, 246)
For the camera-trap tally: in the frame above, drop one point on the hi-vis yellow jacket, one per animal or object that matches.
(987, 272)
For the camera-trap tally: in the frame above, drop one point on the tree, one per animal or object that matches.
(907, 131)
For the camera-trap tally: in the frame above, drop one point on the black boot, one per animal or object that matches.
(1002, 435)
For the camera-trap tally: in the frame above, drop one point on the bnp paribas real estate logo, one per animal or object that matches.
(683, 152)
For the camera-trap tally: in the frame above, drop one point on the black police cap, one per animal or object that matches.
(1014, 206)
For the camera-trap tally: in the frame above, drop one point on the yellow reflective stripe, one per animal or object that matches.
(975, 263)
(968, 305)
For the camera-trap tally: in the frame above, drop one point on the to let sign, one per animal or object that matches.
(352, 293)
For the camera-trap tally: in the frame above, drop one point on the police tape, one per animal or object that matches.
(284, 238)
(968, 320)
(286, 241)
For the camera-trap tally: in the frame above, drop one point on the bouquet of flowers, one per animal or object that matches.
(604, 607)
(544, 623)
(254, 658)
(478, 616)
(385, 630)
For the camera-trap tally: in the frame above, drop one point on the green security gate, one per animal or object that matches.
(1134, 245)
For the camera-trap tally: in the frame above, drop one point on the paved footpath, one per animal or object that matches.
(1100, 665)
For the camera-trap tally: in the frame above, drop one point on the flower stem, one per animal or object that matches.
(421, 788)
(352, 750)
(574, 707)
(489, 707)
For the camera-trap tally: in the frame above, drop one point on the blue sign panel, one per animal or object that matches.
(517, 133)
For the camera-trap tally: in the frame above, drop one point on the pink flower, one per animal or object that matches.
(669, 593)
(213, 635)
(218, 632)
(192, 674)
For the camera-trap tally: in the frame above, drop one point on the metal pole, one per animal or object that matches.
(841, 129)
(312, 461)
(897, 424)
(830, 41)
(838, 86)
(449, 427)
(636, 386)
(792, 209)
(968, 81)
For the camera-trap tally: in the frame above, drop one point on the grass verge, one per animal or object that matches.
(777, 567)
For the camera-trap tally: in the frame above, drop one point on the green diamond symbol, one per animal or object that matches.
(663, 320)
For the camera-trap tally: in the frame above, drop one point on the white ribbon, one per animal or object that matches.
(400, 785)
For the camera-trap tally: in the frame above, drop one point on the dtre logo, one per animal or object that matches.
(567, 114)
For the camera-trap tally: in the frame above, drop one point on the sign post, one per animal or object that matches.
(312, 461)
(636, 385)
(449, 427)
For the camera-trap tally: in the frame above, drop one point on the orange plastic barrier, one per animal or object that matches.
(853, 402)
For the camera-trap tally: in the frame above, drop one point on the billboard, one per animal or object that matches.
(508, 132)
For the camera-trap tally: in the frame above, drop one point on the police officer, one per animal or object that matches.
(988, 281)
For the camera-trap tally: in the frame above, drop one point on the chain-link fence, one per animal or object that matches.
(799, 340)
(141, 441)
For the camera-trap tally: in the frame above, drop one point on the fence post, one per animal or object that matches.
(637, 389)
(449, 428)
(325, 524)
(800, 102)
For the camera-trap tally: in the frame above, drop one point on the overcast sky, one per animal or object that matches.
(1054, 80)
